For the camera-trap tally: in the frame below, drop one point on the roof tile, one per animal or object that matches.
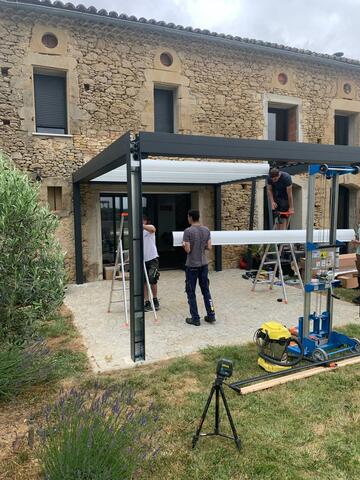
(57, 4)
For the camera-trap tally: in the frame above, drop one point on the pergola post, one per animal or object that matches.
(137, 316)
(79, 271)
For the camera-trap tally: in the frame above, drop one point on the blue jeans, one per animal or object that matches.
(193, 274)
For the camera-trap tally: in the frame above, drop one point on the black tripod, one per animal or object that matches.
(218, 389)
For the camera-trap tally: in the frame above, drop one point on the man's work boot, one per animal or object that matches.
(191, 321)
(156, 303)
(209, 319)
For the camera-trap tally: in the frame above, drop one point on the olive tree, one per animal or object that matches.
(32, 274)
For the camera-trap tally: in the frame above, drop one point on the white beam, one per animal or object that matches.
(260, 237)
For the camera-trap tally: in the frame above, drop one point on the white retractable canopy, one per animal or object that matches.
(189, 172)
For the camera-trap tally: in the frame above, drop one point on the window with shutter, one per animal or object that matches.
(164, 110)
(55, 198)
(341, 130)
(50, 103)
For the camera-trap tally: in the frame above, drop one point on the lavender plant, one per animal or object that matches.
(98, 435)
(32, 271)
(21, 368)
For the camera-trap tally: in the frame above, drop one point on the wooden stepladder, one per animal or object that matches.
(268, 259)
(119, 273)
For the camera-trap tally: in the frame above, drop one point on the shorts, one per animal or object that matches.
(282, 205)
(152, 268)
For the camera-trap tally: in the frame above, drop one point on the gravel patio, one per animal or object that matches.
(239, 313)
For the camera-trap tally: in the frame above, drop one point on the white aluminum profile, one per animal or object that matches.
(260, 237)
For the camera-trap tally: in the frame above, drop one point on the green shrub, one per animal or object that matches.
(32, 274)
(21, 368)
(95, 436)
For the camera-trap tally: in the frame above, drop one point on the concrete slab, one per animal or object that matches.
(239, 313)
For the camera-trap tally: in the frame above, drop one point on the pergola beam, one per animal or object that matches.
(113, 156)
(195, 146)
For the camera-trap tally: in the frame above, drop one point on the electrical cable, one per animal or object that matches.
(282, 363)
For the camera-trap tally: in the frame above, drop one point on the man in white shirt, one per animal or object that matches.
(151, 258)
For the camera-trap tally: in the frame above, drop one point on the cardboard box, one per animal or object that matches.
(348, 281)
(108, 272)
(347, 260)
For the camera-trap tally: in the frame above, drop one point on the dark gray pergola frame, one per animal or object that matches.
(125, 151)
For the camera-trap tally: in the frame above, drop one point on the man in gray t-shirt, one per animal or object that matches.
(196, 242)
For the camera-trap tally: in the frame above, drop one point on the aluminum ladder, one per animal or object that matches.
(267, 259)
(121, 266)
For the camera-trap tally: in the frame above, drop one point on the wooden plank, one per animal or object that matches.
(296, 376)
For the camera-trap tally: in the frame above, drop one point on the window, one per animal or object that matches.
(49, 40)
(166, 59)
(278, 124)
(341, 130)
(282, 124)
(55, 198)
(163, 110)
(50, 102)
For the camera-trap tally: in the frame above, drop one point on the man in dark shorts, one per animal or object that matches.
(196, 241)
(151, 263)
(279, 189)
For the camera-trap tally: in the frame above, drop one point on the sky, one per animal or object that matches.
(324, 26)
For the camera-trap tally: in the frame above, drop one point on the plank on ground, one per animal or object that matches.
(296, 376)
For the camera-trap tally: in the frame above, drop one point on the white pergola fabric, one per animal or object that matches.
(189, 172)
(259, 237)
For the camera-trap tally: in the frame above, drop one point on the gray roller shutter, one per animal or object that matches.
(164, 110)
(50, 103)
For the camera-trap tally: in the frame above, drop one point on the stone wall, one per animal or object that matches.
(221, 89)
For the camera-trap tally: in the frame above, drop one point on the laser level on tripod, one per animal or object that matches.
(224, 369)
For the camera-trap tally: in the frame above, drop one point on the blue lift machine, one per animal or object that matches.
(315, 329)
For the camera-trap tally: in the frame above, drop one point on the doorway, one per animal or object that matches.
(167, 212)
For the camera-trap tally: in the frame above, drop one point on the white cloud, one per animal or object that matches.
(321, 25)
(210, 13)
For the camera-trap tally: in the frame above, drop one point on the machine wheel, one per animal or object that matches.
(319, 355)
(356, 348)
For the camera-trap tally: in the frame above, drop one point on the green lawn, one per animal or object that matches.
(303, 430)
(307, 429)
(347, 294)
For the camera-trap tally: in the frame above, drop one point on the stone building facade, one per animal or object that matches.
(222, 86)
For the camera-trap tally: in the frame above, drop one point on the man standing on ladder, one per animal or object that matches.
(151, 259)
(280, 194)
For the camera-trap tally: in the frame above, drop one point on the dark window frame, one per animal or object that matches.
(341, 129)
(57, 81)
(164, 121)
